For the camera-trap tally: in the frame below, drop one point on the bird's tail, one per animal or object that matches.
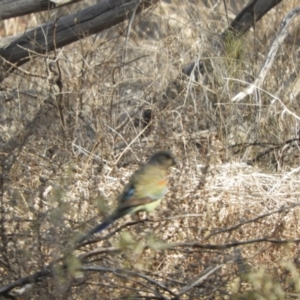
(101, 226)
(108, 221)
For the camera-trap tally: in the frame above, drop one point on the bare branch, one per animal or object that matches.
(119, 272)
(68, 29)
(278, 40)
(201, 279)
(15, 8)
(25, 280)
(249, 15)
(283, 209)
(233, 244)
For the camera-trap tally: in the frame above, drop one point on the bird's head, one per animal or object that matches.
(163, 158)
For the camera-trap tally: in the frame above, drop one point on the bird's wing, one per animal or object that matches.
(148, 184)
(132, 202)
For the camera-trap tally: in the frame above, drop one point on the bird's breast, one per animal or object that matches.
(162, 182)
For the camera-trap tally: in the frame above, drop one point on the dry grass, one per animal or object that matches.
(237, 161)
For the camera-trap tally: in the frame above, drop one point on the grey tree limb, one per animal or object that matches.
(249, 15)
(15, 8)
(245, 19)
(66, 30)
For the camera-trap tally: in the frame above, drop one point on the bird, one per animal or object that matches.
(144, 191)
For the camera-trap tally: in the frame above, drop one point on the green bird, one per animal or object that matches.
(144, 191)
